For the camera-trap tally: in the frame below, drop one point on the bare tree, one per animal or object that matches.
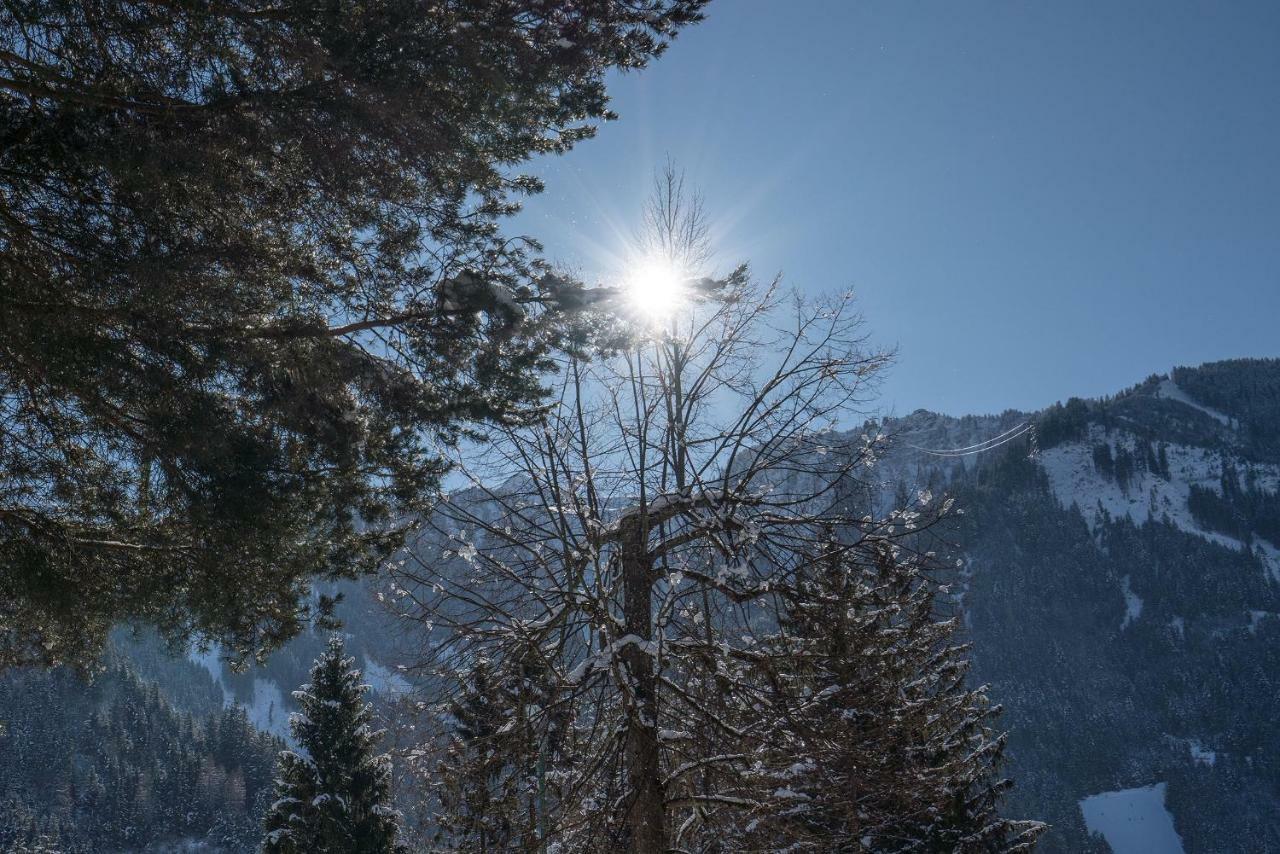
(642, 540)
(674, 226)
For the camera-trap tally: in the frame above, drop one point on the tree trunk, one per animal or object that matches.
(645, 817)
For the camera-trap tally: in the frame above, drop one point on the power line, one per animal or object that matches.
(987, 445)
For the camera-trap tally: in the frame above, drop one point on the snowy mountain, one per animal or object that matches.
(1121, 587)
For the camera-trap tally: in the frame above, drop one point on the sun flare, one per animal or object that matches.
(655, 289)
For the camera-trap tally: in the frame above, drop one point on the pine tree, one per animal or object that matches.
(1150, 459)
(877, 743)
(1124, 467)
(334, 795)
(1102, 459)
(210, 213)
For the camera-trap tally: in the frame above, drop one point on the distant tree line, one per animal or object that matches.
(1247, 390)
(112, 766)
(1237, 510)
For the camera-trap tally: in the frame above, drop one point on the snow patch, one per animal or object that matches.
(1169, 390)
(1256, 618)
(1201, 754)
(1132, 604)
(1133, 821)
(1075, 480)
(1269, 555)
(267, 709)
(383, 681)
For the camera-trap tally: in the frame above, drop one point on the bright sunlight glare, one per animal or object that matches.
(655, 289)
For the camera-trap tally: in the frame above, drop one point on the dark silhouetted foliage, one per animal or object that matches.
(252, 270)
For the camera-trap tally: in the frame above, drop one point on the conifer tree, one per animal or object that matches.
(253, 268)
(498, 773)
(1103, 460)
(482, 777)
(334, 795)
(876, 742)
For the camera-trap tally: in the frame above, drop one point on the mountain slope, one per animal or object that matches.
(1120, 589)
(112, 765)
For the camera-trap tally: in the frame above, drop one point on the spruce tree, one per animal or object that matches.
(497, 775)
(877, 742)
(334, 793)
(481, 775)
(1103, 460)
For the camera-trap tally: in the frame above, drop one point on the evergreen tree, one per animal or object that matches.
(1063, 423)
(334, 796)
(111, 765)
(484, 784)
(1150, 459)
(877, 742)
(252, 267)
(1102, 459)
(1124, 467)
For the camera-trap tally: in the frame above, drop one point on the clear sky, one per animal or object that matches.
(1032, 199)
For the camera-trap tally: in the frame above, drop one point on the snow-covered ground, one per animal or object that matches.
(1076, 480)
(1169, 390)
(1270, 555)
(1256, 618)
(383, 680)
(266, 710)
(1133, 821)
(1202, 754)
(1132, 604)
(924, 441)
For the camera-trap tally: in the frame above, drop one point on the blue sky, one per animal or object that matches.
(1032, 199)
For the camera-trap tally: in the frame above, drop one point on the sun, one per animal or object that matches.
(655, 289)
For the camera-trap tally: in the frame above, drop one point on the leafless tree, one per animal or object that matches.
(641, 540)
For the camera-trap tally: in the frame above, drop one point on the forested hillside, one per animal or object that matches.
(1121, 587)
(1126, 655)
(112, 764)
(159, 749)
